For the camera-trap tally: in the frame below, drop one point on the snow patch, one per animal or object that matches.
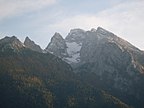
(73, 47)
(73, 50)
(74, 59)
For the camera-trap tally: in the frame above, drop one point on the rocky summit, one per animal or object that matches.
(79, 46)
(31, 44)
(87, 69)
(11, 43)
(69, 48)
(29, 79)
(106, 61)
(57, 46)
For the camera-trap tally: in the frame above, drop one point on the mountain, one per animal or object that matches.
(11, 43)
(74, 42)
(29, 79)
(105, 61)
(57, 46)
(68, 49)
(114, 65)
(31, 44)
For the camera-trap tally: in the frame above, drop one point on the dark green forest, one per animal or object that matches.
(30, 79)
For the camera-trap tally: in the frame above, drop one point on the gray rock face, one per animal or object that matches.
(57, 46)
(74, 42)
(112, 57)
(69, 48)
(11, 43)
(101, 44)
(101, 47)
(76, 35)
(81, 46)
(115, 64)
(31, 45)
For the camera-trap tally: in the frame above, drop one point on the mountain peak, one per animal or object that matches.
(31, 45)
(100, 28)
(57, 36)
(108, 36)
(56, 33)
(103, 31)
(13, 37)
(93, 30)
(76, 30)
(11, 43)
(9, 39)
(27, 38)
(75, 35)
(57, 46)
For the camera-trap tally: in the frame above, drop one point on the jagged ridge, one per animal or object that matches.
(31, 44)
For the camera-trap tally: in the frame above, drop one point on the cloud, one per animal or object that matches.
(78, 21)
(10, 8)
(125, 19)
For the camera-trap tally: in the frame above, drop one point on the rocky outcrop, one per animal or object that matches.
(11, 43)
(106, 61)
(69, 48)
(31, 45)
(57, 46)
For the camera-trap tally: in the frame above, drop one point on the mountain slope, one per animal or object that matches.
(114, 65)
(105, 61)
(29, 79)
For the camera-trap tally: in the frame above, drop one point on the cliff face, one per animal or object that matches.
(29, 79)
(92, 69)
(104, 60)
(57, 46)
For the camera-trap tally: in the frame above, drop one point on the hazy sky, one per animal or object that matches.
(40, 19)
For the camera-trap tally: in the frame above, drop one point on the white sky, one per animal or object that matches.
(40, 19)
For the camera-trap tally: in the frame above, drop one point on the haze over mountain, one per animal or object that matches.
(91, 69)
